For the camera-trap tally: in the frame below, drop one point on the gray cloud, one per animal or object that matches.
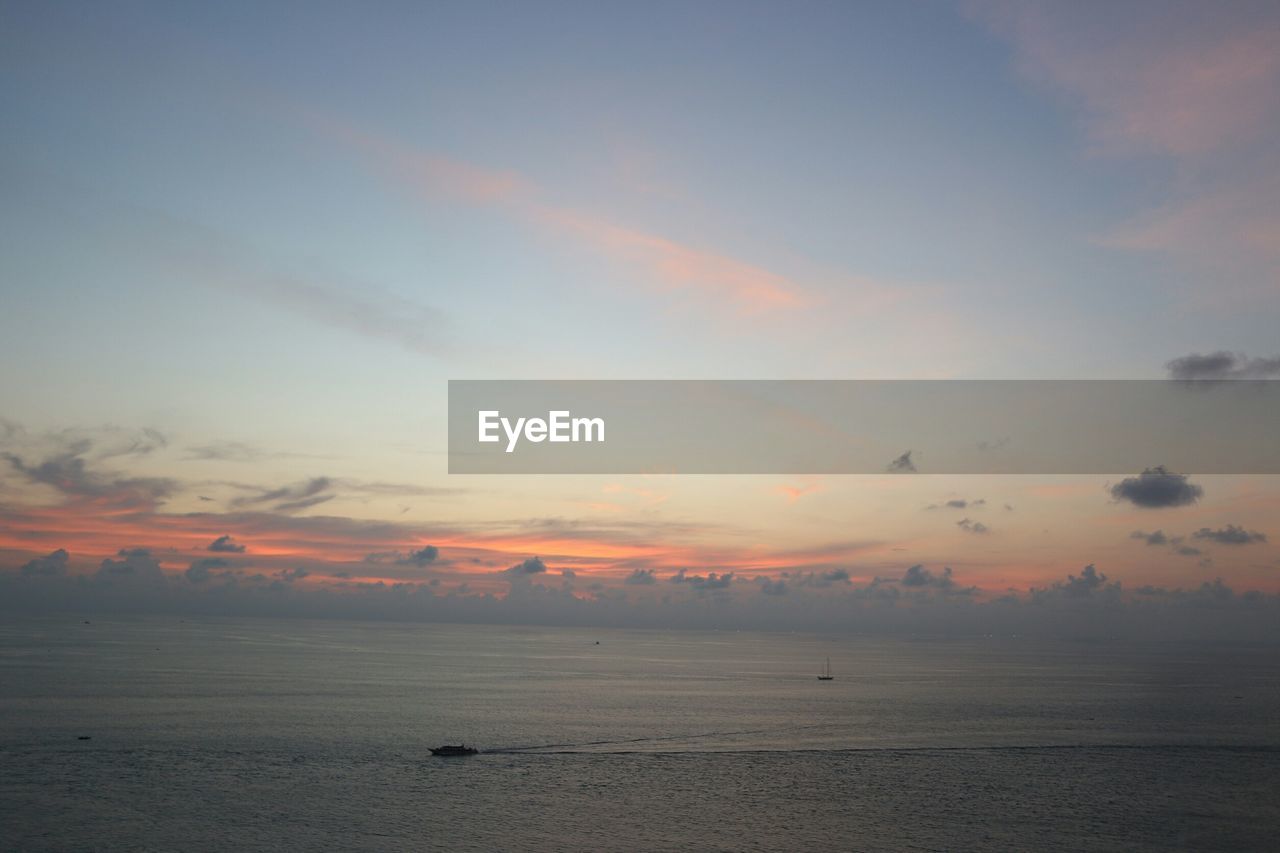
(641, 577)
(975, 527)
(818, 579)
(902, 465)
(71, 468)
(919, 576)
(202, 570)
(1089, 584)
(1156, 537)
(239, 451)
(372, 313)
(54, 564)
(1157, 487)
(1230, 535)
(1086, 604)
(834, 576)
(700, 583)
(959, 503)
(531, 566)
(225, 451)
(1223, 365)
(290, 498)
(135, 563)
(225, 545)
(424, 556)
(769, 586)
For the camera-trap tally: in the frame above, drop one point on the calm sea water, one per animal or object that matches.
(299, 735)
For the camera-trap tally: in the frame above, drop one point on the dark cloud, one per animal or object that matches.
(1156, 537)
(919, 576)
(700, 583)
(712, 581)
(959, 503)
(1157, 487)
(135, 563)
(970, 526)
(202, 570)
(424, 556)
(902, 465)
(50, 565)
(1089, 584)
(769, 586)
(641, 577)
(1085, 604)
(290, 498)
(72, 469)
(113, 442)
(818, 579)
(531, 566)
(225, 545)
(1223, 365)
(1230, 535)
(1187, 551)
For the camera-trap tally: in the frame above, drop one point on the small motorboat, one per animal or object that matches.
(460, 749)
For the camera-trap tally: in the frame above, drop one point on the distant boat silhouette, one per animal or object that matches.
(460, 749)
(826, 672)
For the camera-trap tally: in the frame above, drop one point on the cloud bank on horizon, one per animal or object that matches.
(261, 270)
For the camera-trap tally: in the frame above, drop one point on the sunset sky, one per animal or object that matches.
(245, 246)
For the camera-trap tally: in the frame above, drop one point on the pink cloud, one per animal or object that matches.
(1150, 79)
(666, 262)
(1196, 83)
(673, 264)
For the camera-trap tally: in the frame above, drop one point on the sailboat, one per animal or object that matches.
(826, 672)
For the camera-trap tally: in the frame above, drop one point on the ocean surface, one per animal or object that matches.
(255, 734)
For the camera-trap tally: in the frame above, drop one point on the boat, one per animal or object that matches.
(460, 749)
(826, 672)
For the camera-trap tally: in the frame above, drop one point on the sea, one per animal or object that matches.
(235, 734)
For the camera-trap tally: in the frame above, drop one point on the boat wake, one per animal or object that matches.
(584, 748)
(589, 746)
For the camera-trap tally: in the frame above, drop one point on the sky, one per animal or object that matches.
(243, 248)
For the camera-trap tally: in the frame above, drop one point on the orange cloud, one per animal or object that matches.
(794, 493)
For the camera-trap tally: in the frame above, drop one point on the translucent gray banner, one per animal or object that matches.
(863, 427)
